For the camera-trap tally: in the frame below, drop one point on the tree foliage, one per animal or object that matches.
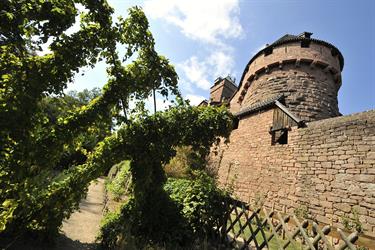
(33, 197)
(53, 107)
(201, 202)
(31, 144)
(193, 207)
(153, 217)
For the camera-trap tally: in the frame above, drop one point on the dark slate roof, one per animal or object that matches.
(228, 78)
(285, 38)
(273, 101)
(259, 106)
(288, 38)
(204, 102)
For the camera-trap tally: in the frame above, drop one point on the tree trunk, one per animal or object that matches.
(153, 93)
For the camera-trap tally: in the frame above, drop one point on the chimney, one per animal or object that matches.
(305, 34)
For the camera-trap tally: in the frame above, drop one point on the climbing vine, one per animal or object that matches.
(150, 213)
(33, 197)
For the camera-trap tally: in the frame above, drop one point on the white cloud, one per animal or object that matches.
(208, 21)
(161, 104)
(201, 73)
(194, 99)
(196, 72)
(222, 62)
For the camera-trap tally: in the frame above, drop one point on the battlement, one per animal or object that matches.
(306, 71)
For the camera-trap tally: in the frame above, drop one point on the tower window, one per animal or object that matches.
(305, 44)
(280, 137)
(268, 51)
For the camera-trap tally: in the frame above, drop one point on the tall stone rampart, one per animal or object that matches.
(329, 167)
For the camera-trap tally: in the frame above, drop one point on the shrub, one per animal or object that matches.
(200, 201)
(184, 161)
(352, 222)
(110, 229)
(121, 183)
(188, 211)
(302, 212)
(136, 224)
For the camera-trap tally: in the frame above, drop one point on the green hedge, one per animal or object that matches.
(190, 210)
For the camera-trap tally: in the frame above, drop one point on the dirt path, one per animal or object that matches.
(80, 230)
(83, 225)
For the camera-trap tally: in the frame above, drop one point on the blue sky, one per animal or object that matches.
(205, 39)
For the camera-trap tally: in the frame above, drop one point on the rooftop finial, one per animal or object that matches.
(305, 34)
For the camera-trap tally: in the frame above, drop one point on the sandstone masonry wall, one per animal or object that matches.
(328, 167)
(308, 77)
(293, 51)
(310, 93)
(224, 89)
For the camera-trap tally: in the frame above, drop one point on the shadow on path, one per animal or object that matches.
(61, 243)
(80, 230)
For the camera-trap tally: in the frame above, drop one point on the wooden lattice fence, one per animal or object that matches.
(243, 228)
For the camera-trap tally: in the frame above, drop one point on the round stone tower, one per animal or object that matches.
(306, 71)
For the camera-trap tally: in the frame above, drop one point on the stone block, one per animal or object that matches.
(326, 204)
(361, 210)
(371, 155)
(365, 178)
(368, 205)
(326, 164)
(320, 187)
(323, 219)
(353, 171)
(334, 199)
(322, 158)
(370, 220)
(369, 200)
(344, 207)
(363, 148)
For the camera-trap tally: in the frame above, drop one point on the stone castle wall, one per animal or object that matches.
(291, 51)
(329, 167)
(310, 93)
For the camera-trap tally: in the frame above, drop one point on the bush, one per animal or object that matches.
(352, 222)
(184, 161)
(110, 229)
(200, 201)
(187, 211)
(121, 183)
(138, 224)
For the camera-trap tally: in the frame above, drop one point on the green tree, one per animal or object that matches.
(32, 196)
(30, 144)
(76, 152)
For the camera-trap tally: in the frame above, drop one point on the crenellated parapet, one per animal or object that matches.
(306, 71)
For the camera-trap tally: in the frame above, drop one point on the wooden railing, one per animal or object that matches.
(243, 228)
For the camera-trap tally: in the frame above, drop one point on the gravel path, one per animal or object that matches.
(83, 225)
(80, 230)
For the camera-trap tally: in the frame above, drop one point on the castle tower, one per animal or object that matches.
(306, 71)
(222, 90)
